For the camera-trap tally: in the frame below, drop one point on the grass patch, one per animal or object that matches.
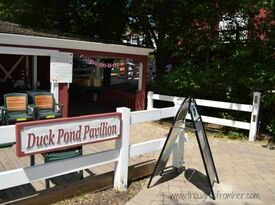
(233, 135)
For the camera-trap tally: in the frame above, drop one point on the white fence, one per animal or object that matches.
(123, 151)
(120, 155)
(251, 108)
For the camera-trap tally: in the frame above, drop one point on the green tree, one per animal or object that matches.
(228, 64)
(104, 19)
(158, 22)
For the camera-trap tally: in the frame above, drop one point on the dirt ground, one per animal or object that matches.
(108, 196)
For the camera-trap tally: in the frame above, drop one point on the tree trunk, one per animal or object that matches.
(162, 58)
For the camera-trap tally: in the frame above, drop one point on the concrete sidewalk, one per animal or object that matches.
(246, 172)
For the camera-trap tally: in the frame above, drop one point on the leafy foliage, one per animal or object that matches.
(229, 68)
(103, 19)
(223, 64)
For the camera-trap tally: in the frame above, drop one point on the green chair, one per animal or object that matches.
(63, 154)
(16, 108)
(44, 105)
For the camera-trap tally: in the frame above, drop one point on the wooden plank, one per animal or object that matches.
(145, 115)
(16, 103)
(224, 105)
(3, 196)
(93, 183)
(166, 98)
(29, 174)
(11, 192)
(7, 134)
(25, 51)
(5, 160)
(14, 161)
(145, 147)
(168, 112)
(223, 122)
(100, 169)
(2, 167)
(26, 189)
(25, 162)
(44, 101)
(207, 103)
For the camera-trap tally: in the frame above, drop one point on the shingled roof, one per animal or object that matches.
(13, 28)
(8, 27)
(12, 34)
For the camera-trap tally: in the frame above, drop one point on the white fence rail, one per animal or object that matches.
(27, 175)
(124, 150)
(251, 108)
(120, 155)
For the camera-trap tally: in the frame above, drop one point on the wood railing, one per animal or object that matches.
(140, 100)
(253, 108)
(115, 98)
(121, 154)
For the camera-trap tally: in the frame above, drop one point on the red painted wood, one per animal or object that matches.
(140, 98)
(64, 98)
(63, 90)
(141, 93)
(115, 98)
(88, 53)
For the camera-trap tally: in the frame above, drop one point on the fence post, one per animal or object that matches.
(150, 101)
(121, 167)
(175, 101)
(254, 116)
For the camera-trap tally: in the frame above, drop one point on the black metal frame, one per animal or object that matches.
(166, 141)
(189, 101)
(201, 150)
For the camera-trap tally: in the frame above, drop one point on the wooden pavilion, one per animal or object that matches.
(31, 55)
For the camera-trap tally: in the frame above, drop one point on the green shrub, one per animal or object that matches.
(271, 128)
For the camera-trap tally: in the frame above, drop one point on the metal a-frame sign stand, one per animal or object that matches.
(189, 104)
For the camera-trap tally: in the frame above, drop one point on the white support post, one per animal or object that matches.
(55, 91)
(150, 100)
(34, 72)
(178, 150)
(176, 102)
(140, 76)
(254, 116)
(121, 167)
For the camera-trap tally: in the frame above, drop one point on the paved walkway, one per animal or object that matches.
(246, 171)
